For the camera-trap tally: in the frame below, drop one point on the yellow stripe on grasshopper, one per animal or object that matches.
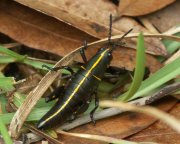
(77, 88)
(92, 74)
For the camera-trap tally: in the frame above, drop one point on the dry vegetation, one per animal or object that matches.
(51, 32)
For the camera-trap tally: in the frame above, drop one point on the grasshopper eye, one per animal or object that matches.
(101, 49)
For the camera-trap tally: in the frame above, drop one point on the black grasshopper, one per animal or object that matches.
(80, 88)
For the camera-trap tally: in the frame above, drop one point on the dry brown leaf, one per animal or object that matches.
(148, 25)
(126, 58)
(170, 120)
(58, 10)
(45, 33)
(160, 132)
(141, 7)
(166, 18)
(39, 31)
(120, 126)
(92, 20)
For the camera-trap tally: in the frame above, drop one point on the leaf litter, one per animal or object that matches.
(76, 19)
(34, 96)
(96, 27)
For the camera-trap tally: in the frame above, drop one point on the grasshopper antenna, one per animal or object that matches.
(110, 33)
(125, 34)
(110, 29)
(117, 43)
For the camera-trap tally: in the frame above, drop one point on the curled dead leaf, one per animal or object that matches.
(93, 20)
(166, 18)
(168, 119)
(141, 7)
(159, 132)
(45, 33)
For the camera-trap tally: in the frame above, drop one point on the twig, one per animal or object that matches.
(172, 30)
(101, 138)
(42, 60)
(115, 111)
(42, 134)
(163, 92)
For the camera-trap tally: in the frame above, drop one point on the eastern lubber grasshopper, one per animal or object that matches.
(81, 87)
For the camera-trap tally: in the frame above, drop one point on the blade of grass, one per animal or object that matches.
(6, 83)
(156, 80)
(5, 133)
(14, 57)
(9, 59)
(139, 69)
(9, 52)
(1, 74)
(18, 99)
(6, 59)
(170, 45)
(35, 115)
(36, 64)
(3, 102)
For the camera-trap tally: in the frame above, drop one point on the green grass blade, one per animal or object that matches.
(36, 64)
(159, 78)
(139, 69)
(13, 57)
(18, 99)
(170, 45)
(11, 53)
(35, 115)
(4, 133)
(1, 75)
(6, 59)
(3, 103)
(6, 83)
